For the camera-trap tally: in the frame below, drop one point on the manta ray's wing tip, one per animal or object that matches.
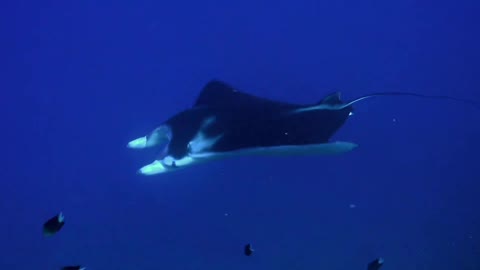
(340, 147)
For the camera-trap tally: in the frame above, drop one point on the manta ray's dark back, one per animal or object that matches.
(219, 94)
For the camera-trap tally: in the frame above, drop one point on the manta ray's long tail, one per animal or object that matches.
(466, 101)
(340, 106)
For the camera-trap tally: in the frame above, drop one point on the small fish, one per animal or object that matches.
(248, 250)
(375, 264)
(74, 267)
(53, 225)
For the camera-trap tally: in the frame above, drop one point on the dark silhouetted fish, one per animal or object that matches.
(375, 264)
(74, 267)
(248, 250)
(53, 225)
(225, 122)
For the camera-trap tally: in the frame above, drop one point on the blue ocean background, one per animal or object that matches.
(82, 78)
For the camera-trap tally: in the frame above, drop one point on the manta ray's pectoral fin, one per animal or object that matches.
(160, 135)
(332, 148)
(169, 164)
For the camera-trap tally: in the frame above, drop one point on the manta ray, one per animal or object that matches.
(226, 122)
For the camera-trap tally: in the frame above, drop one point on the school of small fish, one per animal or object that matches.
(54, 224)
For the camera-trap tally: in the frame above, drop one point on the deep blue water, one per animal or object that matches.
(82, 78)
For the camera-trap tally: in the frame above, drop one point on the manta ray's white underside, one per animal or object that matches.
(168, 163)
